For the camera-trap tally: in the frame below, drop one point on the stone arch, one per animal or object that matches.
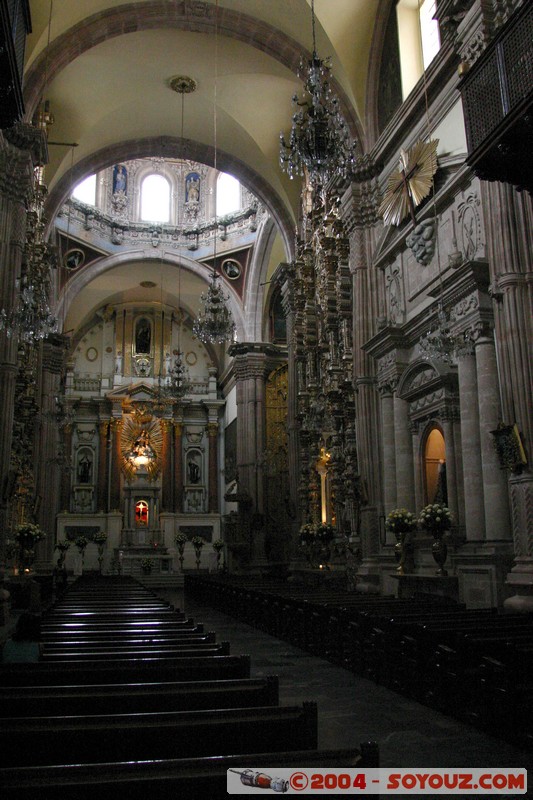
(86, 275)
(186, 16)
(175, 147)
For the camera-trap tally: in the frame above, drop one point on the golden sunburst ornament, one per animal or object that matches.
(407, 187)
(141, 443)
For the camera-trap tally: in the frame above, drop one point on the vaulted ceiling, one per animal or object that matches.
(104, 65)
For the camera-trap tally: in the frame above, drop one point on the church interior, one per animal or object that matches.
(265, 348)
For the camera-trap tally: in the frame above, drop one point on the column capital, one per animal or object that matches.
(212, 428)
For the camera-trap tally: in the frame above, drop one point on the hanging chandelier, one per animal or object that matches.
(441, 344)
(214, 322)
(320, 142)
(32, 320)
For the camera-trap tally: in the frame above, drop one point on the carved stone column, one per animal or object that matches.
(116, 457)
(66, 470)
(212, 433)
(448, 425)
(472, 477)
(166, 467)
(178, 467)
(103, 474)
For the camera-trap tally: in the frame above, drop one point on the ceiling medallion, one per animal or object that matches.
(182, 84)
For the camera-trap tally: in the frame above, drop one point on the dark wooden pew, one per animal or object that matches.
(77, 641)
(38, 741)
(114, 653)
(125, 671)
(141, 697)
(163, 779)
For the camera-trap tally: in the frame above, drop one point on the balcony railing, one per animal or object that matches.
(497, 96)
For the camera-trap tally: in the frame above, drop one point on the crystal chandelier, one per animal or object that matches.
(177, 382)
(214, 322)
(319, 142)
(441, 344)
(32, 320)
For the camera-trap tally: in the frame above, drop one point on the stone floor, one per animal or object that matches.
(352, 709)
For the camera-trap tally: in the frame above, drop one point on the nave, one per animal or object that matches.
(130, 693)
(176, 688)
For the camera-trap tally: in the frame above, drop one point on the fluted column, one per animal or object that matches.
(166, 467)
(116, 456)
(389, 449)
(103, 474)
(508, 218)
(178, 467)
(405, 488)
(495, 490)
(472, 472)
(212, 434)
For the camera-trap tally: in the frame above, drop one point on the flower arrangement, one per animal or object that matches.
(180, 539)
(218, 545)
(147, 564)
(27, 531)
(400, 520)
(81, 543)
(321, 533)
(62, 545)
(325, 532)
(307, 534)
(436, 518)
(100, 537)
(197, 542)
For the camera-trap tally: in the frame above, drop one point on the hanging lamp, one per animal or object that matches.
(214, 321)
(319, 142)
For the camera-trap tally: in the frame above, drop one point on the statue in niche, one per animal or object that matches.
(120, 179)
(192, 188)
(143, 336)
(193, 470)
(85, 468)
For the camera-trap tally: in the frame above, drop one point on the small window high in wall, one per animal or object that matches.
(228, 194)
(85, 191)
(155, 199)
(419, 39)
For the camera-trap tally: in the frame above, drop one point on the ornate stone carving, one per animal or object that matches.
(421, 241)
(470, 226)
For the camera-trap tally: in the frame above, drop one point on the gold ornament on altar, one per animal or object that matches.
(411, 183)
(141, 445)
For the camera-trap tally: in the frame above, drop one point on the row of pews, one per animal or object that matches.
(476, 665)
(131, 692)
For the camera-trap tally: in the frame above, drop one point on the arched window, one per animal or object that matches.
(155, 199)
(419, 39)
(85, 191)
(435, 467)
(228, 194)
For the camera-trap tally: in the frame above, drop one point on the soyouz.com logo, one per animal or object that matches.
(309, 780)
